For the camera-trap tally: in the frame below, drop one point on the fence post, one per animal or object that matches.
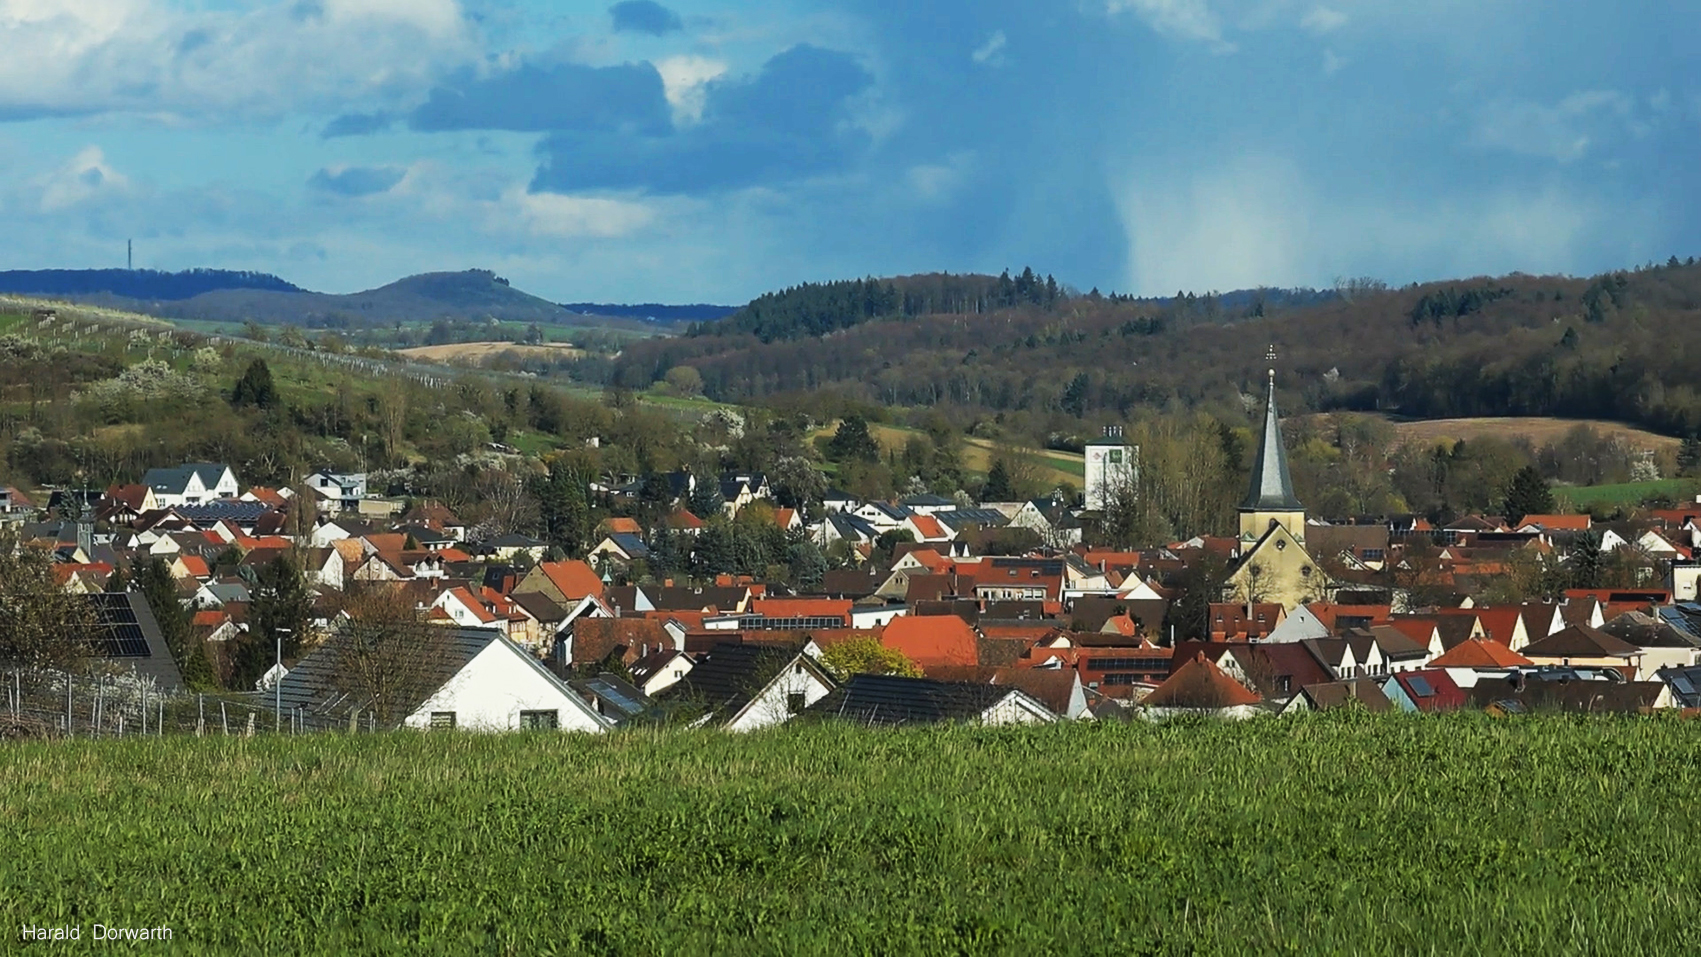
(250, 732)
(200, 715)
(161, 722)
(144, 712)
(224, 719)
(354, 721)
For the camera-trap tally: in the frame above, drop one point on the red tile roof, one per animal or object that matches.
(1481, 653)
(575, 579)
(1200, 684)
(933, 640)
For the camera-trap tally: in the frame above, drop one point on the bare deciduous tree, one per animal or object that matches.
(386, 654)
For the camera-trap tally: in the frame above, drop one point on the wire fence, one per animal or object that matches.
(56, 704)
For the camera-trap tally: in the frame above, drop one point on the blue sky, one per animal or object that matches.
(710, 150)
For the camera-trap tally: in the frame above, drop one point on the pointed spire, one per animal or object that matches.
(1272, 486)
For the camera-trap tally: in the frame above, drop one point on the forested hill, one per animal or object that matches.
(135, 283)
(1620, 345)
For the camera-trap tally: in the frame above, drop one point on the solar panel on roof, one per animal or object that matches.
(1421, 686)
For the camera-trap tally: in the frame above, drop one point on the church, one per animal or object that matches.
(1274, 566)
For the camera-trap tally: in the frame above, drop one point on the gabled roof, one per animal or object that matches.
(1431, 689)
(1338, 694)
(1271, 487)
(933, 640)
(1580, 641)
(575, 579)
(1480, 653)
(594, 639)
(175, 481)
(734, 675)
(316, 687)
(890, 700)
(1202, 685)
(129, 636)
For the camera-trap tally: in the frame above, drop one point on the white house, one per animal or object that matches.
(502, 688)
(746, 687)
(1112, 464)
(338, 491)
(191, 484)
(484, 682)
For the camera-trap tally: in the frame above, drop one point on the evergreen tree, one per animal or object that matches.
(1689, 457)
(852, 442)
(997, 487)
(1074, 399)
(1528, 494)
(255, 388)
(281, 606)
(807, 565)
(564, 507)
(159, 589)
(1583, 561)
(706, 500)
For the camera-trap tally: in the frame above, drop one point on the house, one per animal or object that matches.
(933, 640)
(1580, 645)
(1585, 697)
(1555, 523)
(1429, 691)
(565, 583)
(1663, 644)
(13, 503)
(191, 484)
(745, 687)
(834, 500)
(617, 700)
(1364, 693)
(469, 678)
(739, 489)
(511, 546)
(660, 670)
(1200, 687)
(892, 701)
(591, 641)
(1469, 661)
(1685, 685)
(337, 491)
(128, 638)
(620, 549)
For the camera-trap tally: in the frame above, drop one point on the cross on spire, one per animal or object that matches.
(1270, 357)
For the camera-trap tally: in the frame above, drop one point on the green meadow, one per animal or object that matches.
(1324, 834)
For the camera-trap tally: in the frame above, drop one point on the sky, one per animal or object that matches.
(712, 150)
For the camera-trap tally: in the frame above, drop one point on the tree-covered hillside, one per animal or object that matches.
(1618, 346)
(141, 284)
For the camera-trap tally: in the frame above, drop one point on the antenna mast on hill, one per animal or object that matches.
(130, 255)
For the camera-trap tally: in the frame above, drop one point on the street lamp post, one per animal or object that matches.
(277, 685)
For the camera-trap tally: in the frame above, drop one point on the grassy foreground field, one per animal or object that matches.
(1347, 834)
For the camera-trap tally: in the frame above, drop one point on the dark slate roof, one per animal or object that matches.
(1579, 641)
(893, 700)
(1338, 694)
(315, 687)
(174, 481)
(613, 697)
(630, 544)
(224, 511)
(1575, 696)
(1685, 685)
(1645, 631)
(927, 500)
(959, 517)
(1272, 486)
(731, 675)
(129, 636)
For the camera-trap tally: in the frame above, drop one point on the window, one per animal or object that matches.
(1373, 554)
(1285, 683)
(795, 702)
(442, 720)
(540, 720)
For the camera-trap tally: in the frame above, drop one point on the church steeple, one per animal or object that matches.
(1269, 498)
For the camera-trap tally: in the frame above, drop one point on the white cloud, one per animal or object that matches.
(936, 182)
(685, 82)
(991, 52)
(574, 217)
(259, 60)
(1322, 20)
(1564, 131)
(1186, 19)
(87, 176)
(1332, 63)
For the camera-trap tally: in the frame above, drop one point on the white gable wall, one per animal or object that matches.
(773, 706)
(491, 691)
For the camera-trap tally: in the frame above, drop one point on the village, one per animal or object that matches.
(919, 625)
